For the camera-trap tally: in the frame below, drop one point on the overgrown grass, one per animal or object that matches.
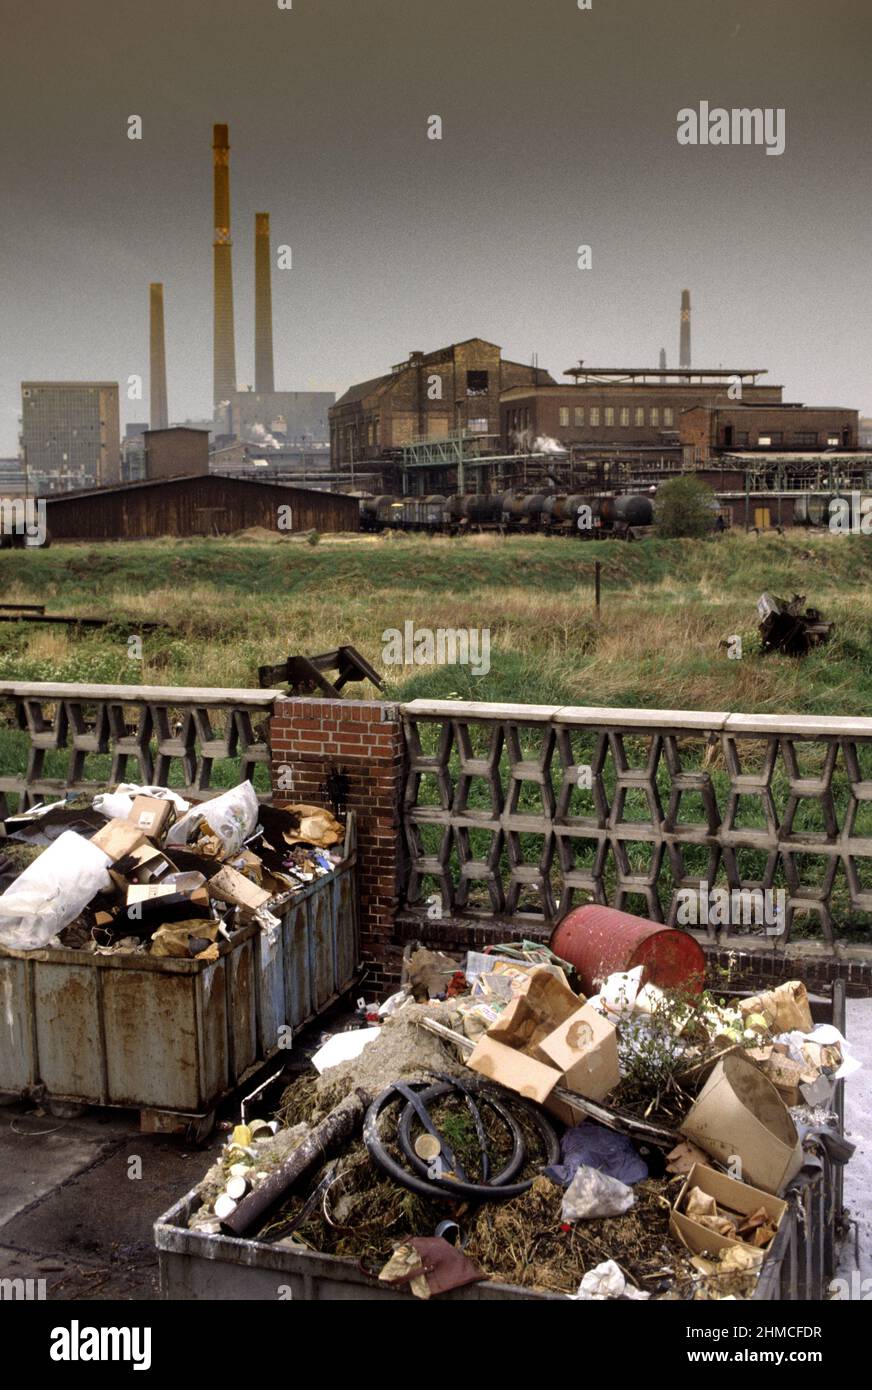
(234, 605)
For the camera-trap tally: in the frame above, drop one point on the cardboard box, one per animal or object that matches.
(152, 892)
(739, 1112)
(153, 815)
(149, 864)
(118, 838)
(228, 886)
(547, 1038)
(727, 1192)
(585, 1048)
(513, 1068)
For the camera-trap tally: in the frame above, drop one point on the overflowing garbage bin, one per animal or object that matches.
(493, 1133)
(153, 953)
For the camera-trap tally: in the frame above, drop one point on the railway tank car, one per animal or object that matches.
(625, 516)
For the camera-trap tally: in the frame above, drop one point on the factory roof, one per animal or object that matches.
(141, 484)
(363, 388)
(679, 374)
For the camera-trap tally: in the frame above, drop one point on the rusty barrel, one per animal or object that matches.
(599, 941)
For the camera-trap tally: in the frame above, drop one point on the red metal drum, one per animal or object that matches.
(601, 940)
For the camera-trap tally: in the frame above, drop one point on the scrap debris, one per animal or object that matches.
(140, 869)
(450, 1172)
(785, 628)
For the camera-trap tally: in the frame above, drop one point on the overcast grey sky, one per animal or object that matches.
(559, 128)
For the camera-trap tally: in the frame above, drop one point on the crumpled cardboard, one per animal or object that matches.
(173, 939)
(317, 826)
(430, 1265)
(228, 886)
(784, 1008)
(739, 1112)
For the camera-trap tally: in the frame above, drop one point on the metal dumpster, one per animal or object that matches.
(157, 1033)
(196, 1265)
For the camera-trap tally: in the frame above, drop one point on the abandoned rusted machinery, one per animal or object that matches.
(785, 628)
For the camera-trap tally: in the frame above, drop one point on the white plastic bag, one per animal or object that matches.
(606, 1281)
(118, 803)
(592, 1194)
(232, 816)
(52, 891)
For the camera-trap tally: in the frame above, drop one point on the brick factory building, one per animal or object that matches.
(429, 396)
(707, 431)
(70, 434)
(620, 407)
(199, 506)
(176, 452)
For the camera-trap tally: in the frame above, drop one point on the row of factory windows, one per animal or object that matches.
(770, 438)
(595, 416)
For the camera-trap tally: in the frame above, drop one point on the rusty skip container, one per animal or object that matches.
(599, 941)
(159, 1033)
(197, 1266)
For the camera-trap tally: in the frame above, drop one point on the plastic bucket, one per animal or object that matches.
(599, 941)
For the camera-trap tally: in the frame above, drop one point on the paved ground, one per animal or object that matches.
(858, 1128)
(78, 1196)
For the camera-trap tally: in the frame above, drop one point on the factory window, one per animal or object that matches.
(564, 415)
(805, 437)
(476, 383)
(610, 415)
(655, 415)
(579, 414)
(773, 437)
(625, 415)
(742, 438)
(832, 441)
(594, 415)
(639, 418)
(478, 426)
(668, 417)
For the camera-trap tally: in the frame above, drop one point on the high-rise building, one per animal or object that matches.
(70, 434)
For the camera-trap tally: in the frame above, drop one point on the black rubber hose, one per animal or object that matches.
(518, 1154)
(451, 1191)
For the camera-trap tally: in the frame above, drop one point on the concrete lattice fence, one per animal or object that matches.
(522, 810)
(496, 814)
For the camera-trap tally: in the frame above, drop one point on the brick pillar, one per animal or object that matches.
(364, 738)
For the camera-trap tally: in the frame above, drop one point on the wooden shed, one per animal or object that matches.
(195, 506)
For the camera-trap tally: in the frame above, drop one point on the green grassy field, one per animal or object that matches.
(232, 605)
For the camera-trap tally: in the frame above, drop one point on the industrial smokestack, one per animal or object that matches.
(662, 364)
(224, 358)
(263, 337)
(684, 344)
(157, 359)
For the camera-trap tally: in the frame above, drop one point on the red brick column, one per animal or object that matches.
(309, 738)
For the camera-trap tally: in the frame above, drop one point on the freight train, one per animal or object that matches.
(629, 516)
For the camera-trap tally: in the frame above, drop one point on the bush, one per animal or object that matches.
(685, 507)
(313, 538)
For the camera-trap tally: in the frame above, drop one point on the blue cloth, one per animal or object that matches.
(593, 1146)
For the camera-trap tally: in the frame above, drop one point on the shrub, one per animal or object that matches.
(685, 507)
